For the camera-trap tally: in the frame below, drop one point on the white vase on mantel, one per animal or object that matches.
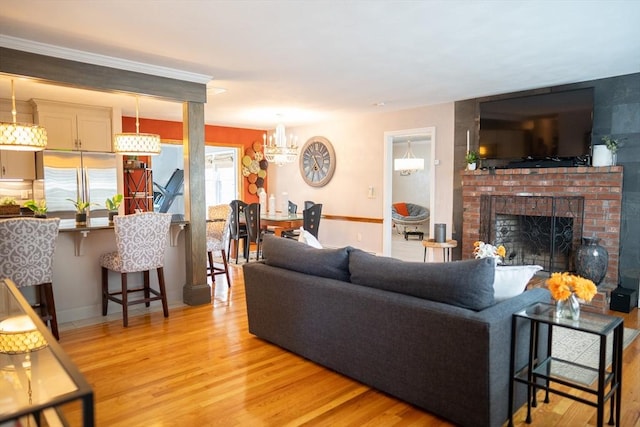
(471, 166)
(602, 156)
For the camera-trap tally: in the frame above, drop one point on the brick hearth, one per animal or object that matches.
(601, 188)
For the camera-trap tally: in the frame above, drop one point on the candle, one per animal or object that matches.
(467, 140)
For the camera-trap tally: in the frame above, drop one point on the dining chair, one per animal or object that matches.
(308, 204)
(310, 222)
(141, 240)
(293, 208)
(254, 231)
(217, 231)
(27, 246)
(238, 230)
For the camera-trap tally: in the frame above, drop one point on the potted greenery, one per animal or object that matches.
(39, 209)
(612, 145)
(81, 210)
(112, 205)
(471, 159)
(8, 206)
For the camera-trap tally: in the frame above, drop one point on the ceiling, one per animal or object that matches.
(304, 62)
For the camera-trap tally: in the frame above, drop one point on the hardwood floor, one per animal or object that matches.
(202, 367)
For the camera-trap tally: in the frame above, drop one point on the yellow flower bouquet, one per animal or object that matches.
(562, 285)
(487, 250)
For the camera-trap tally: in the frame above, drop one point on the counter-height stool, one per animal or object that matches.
(141, 240)
(27, 246)
(217, 229)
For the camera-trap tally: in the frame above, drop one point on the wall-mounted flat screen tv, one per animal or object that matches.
(546, 130)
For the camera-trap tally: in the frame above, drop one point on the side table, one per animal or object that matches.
(541, 370)
(445, 246)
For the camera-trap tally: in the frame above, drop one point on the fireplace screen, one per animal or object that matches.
(534, 229)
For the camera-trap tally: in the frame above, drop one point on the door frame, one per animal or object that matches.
(388, 180)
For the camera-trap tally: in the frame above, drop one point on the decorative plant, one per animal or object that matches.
(472, 157)
(113, 203)
(80, 205)
(38, 208)
(486, 250)
(562, 285)
(611, 143)
(8, 201)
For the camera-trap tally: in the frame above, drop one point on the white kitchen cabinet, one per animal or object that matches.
(16, 164)
(73, 126)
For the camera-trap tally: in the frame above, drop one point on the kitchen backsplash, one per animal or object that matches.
(21, 191)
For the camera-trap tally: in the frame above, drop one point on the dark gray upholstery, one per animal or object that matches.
(449, 360)
(467, 284)
(296, 256)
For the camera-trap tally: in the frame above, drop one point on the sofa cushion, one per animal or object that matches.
(467, 284)
(511, 280)
(297, 256)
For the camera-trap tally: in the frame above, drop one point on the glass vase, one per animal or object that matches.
(568, 309)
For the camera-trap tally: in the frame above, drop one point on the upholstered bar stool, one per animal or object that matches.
(217, 229)
(141, 240)
(27, 246)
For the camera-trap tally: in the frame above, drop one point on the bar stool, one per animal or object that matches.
(27, 246)
(217, 229)
(141, 240)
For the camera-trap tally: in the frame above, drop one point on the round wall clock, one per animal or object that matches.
(317, 161)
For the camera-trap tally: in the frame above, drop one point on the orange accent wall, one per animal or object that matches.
(169, 130)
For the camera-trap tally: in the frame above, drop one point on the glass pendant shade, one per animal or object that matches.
(21, 136)
(20, 335)
(408, 163)
(136, 144)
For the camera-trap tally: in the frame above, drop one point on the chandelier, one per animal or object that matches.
(408, 163)
(276, 150)
(21, 136)
(137, 144)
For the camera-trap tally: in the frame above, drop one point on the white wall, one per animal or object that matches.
(359, 146)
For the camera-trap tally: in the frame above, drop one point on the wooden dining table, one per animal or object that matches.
(280, 222)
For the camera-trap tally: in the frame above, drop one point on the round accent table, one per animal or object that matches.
(445, 246)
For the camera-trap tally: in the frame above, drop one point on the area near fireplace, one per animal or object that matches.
(598, 189)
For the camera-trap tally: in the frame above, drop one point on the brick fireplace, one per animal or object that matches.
(598, 188)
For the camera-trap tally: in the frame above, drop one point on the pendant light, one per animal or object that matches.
(137, 144)
(408, 163)
(21, 136)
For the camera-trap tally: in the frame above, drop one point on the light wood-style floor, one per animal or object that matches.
(201, 367)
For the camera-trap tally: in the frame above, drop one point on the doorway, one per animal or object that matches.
(416, 187)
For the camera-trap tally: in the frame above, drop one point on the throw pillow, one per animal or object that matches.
(511, 280)
(467, 284)
(296, 256)
(401, 208)
(309, 239)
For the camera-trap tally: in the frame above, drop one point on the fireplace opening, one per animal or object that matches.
(534, 229)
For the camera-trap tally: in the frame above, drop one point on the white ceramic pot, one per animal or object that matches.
(471, 166)
(601, 156)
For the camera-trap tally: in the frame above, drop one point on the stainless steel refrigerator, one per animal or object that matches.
(88, 176)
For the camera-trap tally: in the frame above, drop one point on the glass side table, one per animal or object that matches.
(37, 379)
(541, 372)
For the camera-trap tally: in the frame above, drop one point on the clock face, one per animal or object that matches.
(317, 161)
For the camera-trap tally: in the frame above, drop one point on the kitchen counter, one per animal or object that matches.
(82, 231)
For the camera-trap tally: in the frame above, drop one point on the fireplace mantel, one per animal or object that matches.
(601, 188)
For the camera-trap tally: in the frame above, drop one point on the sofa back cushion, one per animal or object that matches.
(300, 257)
(467, 284)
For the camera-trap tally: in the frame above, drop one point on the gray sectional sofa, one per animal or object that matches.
(427, 333)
